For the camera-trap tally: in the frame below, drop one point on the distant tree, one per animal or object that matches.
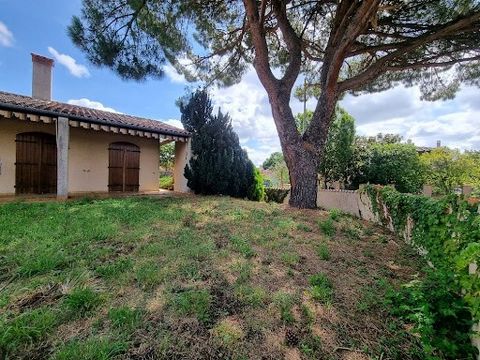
(280, 172)
(338, 158)
(274, 159)
(383, 139)
(386, 163)
(447, 169)
(167, 157)
(218, 165)
(302, 120)
(341, 46)
(474, 173)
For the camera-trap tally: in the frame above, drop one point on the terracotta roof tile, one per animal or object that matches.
(14, 102)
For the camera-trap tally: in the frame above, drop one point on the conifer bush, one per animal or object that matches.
(218, 165)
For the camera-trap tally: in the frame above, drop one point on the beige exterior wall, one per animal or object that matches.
(183, 153)
(88, 160)
(88, 157)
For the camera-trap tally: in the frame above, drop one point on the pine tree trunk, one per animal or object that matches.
(301, 162)
(303, 181)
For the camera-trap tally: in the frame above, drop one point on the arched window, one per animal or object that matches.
(36, 163)
(123, 167)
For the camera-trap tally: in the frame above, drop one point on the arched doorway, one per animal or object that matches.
(124, 167)
(36, 164)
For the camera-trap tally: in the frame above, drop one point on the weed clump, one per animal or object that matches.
(285, 302)
(323, 251)
(82, 301)
(194, 302)
(321, 288)
(327, 227)
(228, 333)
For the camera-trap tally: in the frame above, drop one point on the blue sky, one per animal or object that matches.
(41, 26)
(38, 25)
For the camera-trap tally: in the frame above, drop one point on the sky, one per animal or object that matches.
(28, 26)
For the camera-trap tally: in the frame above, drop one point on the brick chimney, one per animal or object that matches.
(42, 77)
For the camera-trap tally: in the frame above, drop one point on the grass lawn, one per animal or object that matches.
(196, 278)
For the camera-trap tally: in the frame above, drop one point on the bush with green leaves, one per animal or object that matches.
(444, 304)
(446, 169)
(276, 195)
(388, 163)
(166, 182)
(441, 317)
(257, 188)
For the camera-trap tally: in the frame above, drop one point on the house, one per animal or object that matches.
(48, 147)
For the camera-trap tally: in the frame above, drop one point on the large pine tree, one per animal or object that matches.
(218, 165)
(339, 46)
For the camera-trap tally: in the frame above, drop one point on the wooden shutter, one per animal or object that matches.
(36, 164)
(124, 167)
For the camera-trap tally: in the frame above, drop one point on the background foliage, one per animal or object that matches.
(447, 169)
(167, 158)
(386, 163)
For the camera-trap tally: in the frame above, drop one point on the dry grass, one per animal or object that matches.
(195, 278)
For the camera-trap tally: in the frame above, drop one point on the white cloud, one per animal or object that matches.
(173, 122)
(398, 110)
(6, 36)
(247, 103)
(173, 75)
(70, 63)
(258, 154)
(91, 104)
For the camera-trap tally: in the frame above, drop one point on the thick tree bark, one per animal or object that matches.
(301, 161)
(303, 180)
(302, 154)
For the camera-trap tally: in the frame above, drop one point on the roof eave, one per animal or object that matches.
(18, 108)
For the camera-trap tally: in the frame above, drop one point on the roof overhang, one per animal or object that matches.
(10, 111)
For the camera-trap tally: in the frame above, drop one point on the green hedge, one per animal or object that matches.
(276, 195)
(448, 232)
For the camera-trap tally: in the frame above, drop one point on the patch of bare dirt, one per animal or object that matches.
(43, 296)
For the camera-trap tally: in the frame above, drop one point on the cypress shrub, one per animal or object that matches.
(218, 165)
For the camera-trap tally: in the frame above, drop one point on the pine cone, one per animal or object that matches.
(291, 337)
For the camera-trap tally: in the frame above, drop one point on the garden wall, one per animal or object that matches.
(352, 202)
(446, 231)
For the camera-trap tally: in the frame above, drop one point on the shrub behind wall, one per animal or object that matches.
(276, 195)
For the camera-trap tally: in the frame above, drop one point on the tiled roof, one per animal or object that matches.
(14, 102)
(423, 149)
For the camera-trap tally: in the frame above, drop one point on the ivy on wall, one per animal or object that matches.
(447, 232)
